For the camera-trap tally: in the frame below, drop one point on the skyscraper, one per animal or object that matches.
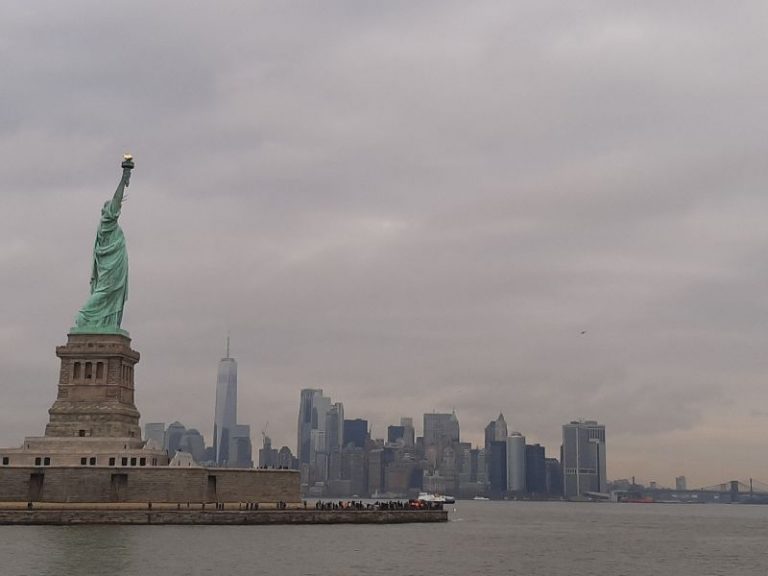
(240, 447)
(583, 458)
(267, 454)
(173, 436)
(225, 418)
(307, 420)
(193, 443)
(496, 455)
(535, 469)
(320, 432)
(496, 431)
(409, 433)
(335, 427)
(440, 430)
(155, 432)
(516, 463)
(355, 432)
(395, 434)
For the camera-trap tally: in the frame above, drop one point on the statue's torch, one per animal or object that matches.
(127, 165)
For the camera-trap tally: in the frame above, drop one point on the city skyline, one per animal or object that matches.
(554, 211)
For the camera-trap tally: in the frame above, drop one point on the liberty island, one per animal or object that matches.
(92, 465)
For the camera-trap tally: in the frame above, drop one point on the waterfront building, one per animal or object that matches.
(497, 468)
(354, 468)
(225, 417)
(554, 477)
(583, 458)
(535, 470)
(516, 463)
(399, 477)
(375, 472)
(681, 483)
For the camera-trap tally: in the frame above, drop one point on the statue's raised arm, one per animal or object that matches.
(103, 312)
(112, 208)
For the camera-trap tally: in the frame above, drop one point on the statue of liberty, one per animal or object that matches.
(103, 312)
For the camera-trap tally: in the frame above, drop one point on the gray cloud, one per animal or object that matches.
(415, 207)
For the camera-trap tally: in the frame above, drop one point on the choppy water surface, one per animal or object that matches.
(488, 538)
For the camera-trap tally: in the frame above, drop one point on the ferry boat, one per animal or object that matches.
(439, 498)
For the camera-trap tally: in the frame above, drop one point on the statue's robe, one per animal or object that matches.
(109, 276)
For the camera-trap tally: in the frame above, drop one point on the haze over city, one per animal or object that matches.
(556, 211)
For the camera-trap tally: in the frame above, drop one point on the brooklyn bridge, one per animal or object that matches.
(749, 491)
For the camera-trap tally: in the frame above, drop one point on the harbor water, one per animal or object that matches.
(489, 538)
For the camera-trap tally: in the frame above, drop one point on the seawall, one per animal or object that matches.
(150, 484)
(74, 516)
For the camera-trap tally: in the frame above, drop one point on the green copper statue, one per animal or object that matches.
(103, 312)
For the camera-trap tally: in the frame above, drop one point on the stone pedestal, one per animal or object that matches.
(95, 397)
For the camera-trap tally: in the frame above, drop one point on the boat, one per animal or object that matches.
(481, 498)
(437, 498)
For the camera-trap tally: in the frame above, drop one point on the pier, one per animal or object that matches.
(63, 514)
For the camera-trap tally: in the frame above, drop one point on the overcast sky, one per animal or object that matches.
(414, 206)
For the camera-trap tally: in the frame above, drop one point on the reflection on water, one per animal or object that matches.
(530, 539)
(76, 549)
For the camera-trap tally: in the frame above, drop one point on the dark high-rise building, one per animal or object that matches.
(334, 440)
(535, 469)
(354, 468)
(495, 461)
(474, 465)
(355, 432)
(395, 433)
(497, 467)
(583, 458)
(554, 477)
